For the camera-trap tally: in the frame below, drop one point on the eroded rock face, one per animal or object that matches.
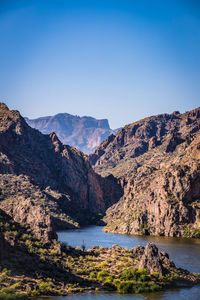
(27, 213)
(153, 142)
(157, 162)
(54, 172)
(133, 140)
(163, 201)
(150, 260)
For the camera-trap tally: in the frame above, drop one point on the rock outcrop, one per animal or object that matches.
(83, 133)
(44, 183)
(32, 267)
(154, 261)
(157, 161)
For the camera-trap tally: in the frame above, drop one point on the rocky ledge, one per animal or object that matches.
(33, 267)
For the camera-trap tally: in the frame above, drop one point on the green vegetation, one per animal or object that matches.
(134, 274)
(10, 292)
(127, 287)
(138, 281)
(102, 275)
(45, 288)
(192, 233)
(56, 269)
(4, 296)
(143, 228)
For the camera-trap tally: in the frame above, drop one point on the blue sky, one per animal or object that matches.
(122, 60)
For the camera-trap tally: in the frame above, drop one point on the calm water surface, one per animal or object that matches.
(184, 252)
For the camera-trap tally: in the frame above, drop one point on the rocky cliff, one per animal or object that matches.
(45, 184)
(83, 133)
(157, 161)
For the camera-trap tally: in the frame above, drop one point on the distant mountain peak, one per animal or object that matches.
(84, 133)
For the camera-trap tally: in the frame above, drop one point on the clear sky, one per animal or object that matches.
(116, 59)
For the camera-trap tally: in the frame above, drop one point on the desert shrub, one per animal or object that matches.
(116, 282)
(11, 233)
(37, 244)
(108, 279)
(155, 275)
(171, 277)
(9, 293)
(35, 293)
(26, 236)
(135, 274)
(144, 277)
(196, 233)
(101, 275)
(130, 287)
(45, 287)
(4, 275)
(13, 297)
(128, 274)
(154, 287)
(10, 289)
(187, 232)
(103, 264)
(43, 251)
(53, 252)
(92, 275)
(126, 287)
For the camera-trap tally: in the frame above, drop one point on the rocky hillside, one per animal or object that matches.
(83, 133)
(158, 162)
(30, 267)
(46, 184)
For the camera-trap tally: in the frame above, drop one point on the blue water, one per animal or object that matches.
(184, 252)
(181, 294)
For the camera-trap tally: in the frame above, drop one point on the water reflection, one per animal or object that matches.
(176, 294)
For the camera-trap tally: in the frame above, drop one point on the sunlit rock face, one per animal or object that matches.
(157, 161)
(45, 184)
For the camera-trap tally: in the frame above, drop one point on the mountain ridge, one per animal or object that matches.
(39, 173)
(45, 185)
(84, 133)
(157, 161)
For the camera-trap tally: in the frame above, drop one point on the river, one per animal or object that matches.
(184, 252)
